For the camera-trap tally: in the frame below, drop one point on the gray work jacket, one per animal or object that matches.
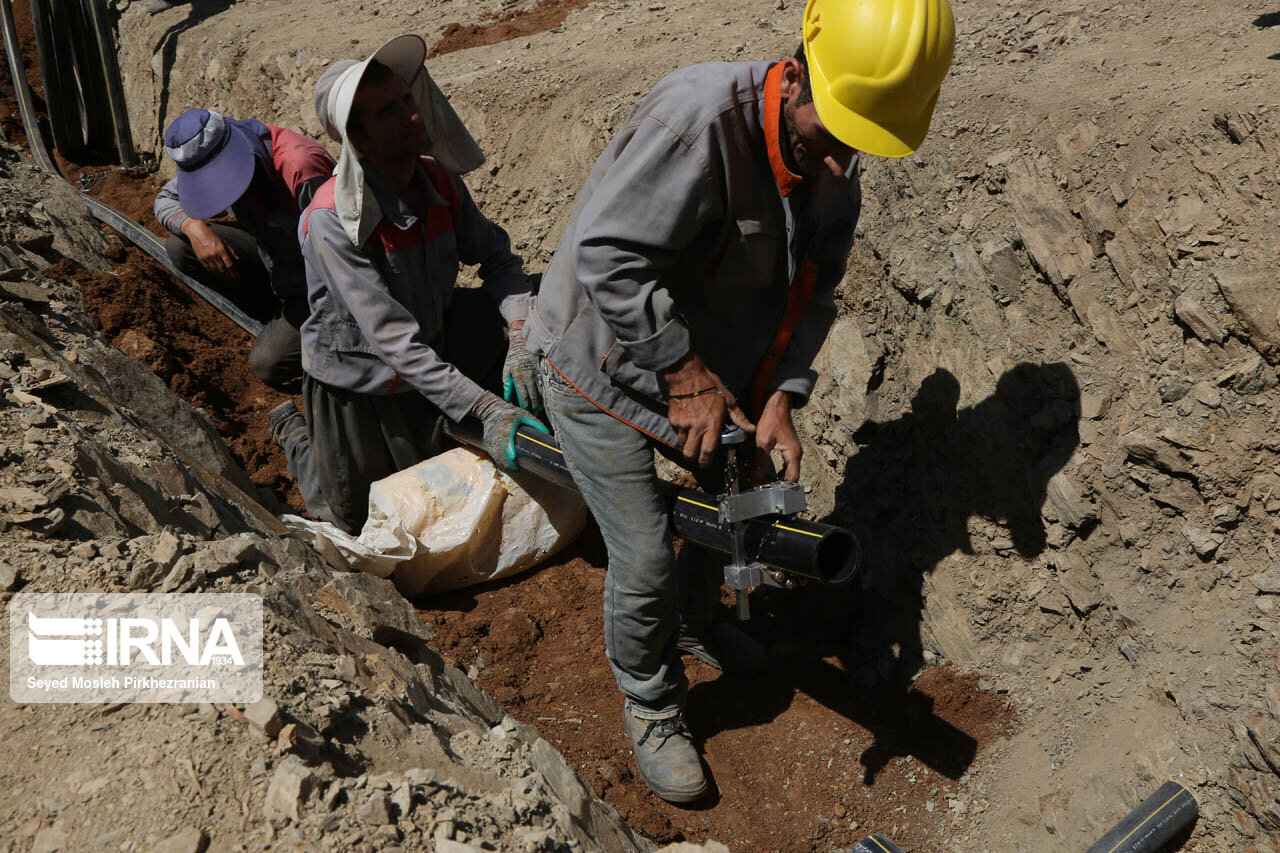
(683, 239)
(376, 309)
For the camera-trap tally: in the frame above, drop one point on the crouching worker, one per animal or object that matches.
(391, 347)
(265, 176)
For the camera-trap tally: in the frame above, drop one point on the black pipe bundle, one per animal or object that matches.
(83, 95)
(819, 552)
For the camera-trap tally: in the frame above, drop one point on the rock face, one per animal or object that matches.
(364, 731)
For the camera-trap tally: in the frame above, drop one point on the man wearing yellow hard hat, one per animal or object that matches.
(693, 286)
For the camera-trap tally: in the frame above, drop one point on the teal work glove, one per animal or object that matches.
(501, 420)
(520, 375)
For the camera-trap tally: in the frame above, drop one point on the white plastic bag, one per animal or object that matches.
(453, 521)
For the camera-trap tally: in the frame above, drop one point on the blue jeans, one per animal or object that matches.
(612, 465)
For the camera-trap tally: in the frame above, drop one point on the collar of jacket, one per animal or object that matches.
(394, 208)
(787, 180)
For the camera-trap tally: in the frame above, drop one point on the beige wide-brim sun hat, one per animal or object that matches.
(451, 144)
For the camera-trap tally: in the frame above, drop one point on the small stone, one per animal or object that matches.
(189, 840)
(299, 738)
(166, 550)
(224, 556)
(1208, 394)
(9, 577)
(446, 845)
(49, 840)
(290, 787)
(402, 800)
(178, 575)
(1093, 407)
(33, 240)
(1173, 388)
(22, 498)
(345, 668)
(265, 716)
(332, 796)
(377, 809)
(1201, 540)
(1268, 582)
(1194, 316)
(1002, 158)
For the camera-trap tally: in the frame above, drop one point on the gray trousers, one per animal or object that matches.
(647, 591)
(276, 356)
(353, 440)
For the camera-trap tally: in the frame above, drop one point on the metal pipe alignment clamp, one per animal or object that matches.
(775, 547)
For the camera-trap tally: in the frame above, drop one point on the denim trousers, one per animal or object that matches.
(645, 594)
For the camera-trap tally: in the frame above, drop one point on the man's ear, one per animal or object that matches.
(792, 78)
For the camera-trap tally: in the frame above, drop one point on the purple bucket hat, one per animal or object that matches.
(215, 161)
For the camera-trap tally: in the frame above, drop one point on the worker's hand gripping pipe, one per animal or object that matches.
(777, 541)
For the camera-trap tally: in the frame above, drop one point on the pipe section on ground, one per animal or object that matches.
(1156, 821)
(823, 553)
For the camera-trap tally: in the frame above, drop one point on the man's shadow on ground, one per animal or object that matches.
(908, 493)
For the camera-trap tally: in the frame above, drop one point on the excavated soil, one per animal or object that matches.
(823, 748)
(500, 28)
(196, 350)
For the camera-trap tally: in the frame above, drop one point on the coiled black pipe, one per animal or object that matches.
(119, 115)
(819, 552)
(1156, 821)
(140, 236)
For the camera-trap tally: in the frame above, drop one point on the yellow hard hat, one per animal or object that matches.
(876, 67)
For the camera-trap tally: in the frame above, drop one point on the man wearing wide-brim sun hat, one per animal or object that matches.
(264, 177)
(391, 348)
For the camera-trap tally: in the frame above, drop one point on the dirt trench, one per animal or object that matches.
(1047, 406)
(832, 744)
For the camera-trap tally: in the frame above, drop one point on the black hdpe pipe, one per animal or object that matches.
(140, 236)
(77, 59)
(1157, 820)
(119, 115)
(876, 844)
(823, 553)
